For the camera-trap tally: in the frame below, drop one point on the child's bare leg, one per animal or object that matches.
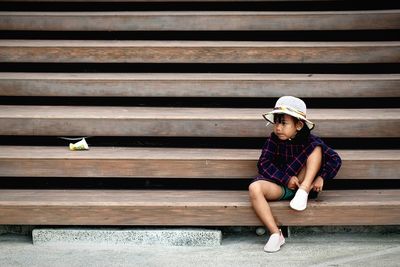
(311, 169)
(261, 191)
(302, 174)
(306, 178)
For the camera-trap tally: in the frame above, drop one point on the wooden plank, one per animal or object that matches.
(118, 1)
(197, 51)
(200, 20)
(198, 85)
(211, 122)
(136, 207)
(33, 161)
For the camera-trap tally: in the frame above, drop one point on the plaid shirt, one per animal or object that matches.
(280, 160)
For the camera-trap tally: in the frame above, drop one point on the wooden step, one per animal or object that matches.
(109, 162)
(200, 20)
(200, 122)
(137, 207)
(198, 85)
(197, 51)
(206, 1)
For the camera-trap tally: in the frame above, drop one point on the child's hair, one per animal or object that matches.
(278, 118)
(301, 135)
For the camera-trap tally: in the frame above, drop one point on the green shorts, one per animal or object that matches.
(287, 194)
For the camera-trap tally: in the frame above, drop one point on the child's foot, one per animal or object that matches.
(299, 202)
(275, 242)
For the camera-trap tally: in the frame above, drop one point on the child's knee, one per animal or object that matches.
(255, 189)
(316, 154)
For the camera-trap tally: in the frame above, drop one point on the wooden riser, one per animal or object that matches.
(20, 161)
(207, 1)
(197, 52)
(207, 208)
(201, 122)
(200, 21)
(198, 85)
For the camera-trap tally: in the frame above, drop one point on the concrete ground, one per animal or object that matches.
(242, 248)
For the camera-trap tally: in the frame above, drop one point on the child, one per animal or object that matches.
(291, 159)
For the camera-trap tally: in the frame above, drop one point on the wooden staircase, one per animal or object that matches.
(198, 74)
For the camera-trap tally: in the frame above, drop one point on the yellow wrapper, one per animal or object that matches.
(81, 145)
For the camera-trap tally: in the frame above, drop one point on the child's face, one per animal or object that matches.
(287, 127)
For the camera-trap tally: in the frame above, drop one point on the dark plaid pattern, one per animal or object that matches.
(280, 160)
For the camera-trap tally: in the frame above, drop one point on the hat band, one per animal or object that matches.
(283, 108)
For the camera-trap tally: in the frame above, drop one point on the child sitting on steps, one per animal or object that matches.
(293, 162)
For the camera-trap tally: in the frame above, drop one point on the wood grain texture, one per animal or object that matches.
(111, 1)
(33, 161)
(198, 85)
(198, 51)
(200, 21)
(206, 208)
(212, 122)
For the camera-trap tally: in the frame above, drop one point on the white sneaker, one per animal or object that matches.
(299, 202)
(275, 242)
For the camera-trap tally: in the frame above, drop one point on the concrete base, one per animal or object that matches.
(164, 237)
(241, 249)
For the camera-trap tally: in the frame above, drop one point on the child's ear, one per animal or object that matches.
(299, 125)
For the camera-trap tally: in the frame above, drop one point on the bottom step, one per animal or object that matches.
(191, 207)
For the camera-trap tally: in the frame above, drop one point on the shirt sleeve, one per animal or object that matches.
(294, 167)
(267, 168)
(331, 164)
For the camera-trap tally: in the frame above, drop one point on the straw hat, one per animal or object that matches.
(292, 106)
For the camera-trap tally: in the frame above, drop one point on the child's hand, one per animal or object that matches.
(293, 183)
(318, 184)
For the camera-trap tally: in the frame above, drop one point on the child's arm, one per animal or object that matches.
(267, 168)
(330, 167)
(331, 163)
(318, 184)
(293, 183)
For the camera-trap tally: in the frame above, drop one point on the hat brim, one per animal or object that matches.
(270, 117)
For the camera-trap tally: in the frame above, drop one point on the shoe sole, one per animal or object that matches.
(298, 209)
(283, 243)
(295, 208)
